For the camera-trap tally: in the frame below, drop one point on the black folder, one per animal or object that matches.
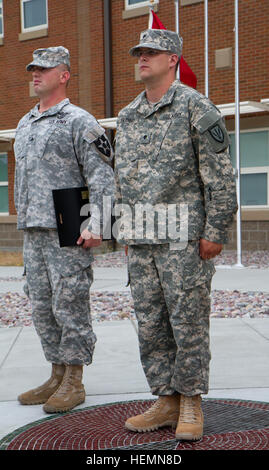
(68, 203)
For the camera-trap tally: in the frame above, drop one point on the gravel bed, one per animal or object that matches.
(15, 309)
(250, 259)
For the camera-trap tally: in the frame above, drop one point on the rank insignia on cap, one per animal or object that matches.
(217, 133)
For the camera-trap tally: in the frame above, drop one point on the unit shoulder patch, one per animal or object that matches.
(104, 148)
(217, 133)
(102, 144)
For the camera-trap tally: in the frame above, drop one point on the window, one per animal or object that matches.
(1, 19)
(3, 184)
(34, 15)
(189, 2)
(139, 3)
(254, 156)
(135, 8)
(254, 188)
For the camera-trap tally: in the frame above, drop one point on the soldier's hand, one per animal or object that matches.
(209, 249)
(89, 240)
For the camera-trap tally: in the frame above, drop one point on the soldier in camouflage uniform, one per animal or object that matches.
(59, 145)
(172, 151)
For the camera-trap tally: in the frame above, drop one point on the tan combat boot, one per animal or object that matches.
(41, 394)
(164, 412)
(70, 393)
(190, 423)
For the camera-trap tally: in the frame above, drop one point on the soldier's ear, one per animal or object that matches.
(173, 60)
(65, 76)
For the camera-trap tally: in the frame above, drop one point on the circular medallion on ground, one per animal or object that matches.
(229, 425)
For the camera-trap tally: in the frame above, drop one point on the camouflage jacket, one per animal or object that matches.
(176, 153)
(63, 147)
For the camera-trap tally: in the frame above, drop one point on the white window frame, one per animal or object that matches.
(146, 3)
(256, 169)
(2, 19)
(4, 183)
(33, 28)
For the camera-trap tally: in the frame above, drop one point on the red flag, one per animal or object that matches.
(186, 74)
(154, 21)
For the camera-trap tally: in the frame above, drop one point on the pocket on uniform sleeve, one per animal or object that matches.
(211, 125)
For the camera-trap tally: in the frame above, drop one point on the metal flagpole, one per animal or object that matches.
(237, 136)
(206, 48)
(150, 16)
(177, 30)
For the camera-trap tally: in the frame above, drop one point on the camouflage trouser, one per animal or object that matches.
(58, 283)
(171, 293)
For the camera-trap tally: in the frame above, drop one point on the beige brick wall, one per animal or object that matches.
(255, 235)
(10, 237)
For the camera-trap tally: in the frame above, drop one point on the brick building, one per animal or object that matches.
(99, 34)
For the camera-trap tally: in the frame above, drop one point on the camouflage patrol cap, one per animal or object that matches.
(160, 39)
(50, 57)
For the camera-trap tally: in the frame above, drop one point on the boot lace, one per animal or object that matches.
(67, 384)
(151, 411)
(188, 410)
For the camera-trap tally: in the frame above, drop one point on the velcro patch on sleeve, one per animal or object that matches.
(97, 137)
(212, 126)
(217, 133)
(104, 148)
(102, 144)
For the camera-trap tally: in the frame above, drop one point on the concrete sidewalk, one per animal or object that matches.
(239, 366)
(115, 279)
